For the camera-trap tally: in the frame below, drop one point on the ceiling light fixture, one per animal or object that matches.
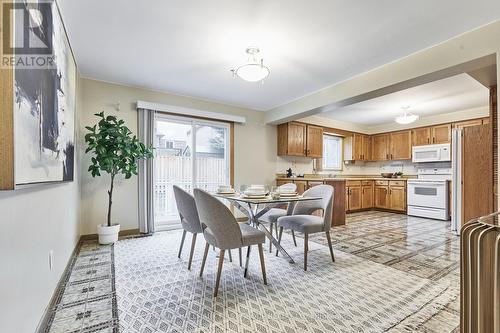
(406, 117)
(254, 70)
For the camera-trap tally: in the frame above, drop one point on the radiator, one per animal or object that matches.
(480, 275)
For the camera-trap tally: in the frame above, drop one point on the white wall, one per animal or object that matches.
(34, 221)
(255, 148)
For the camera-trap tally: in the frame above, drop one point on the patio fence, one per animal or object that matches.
(177, 170)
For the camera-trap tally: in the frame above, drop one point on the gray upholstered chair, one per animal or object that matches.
(221, 230)
(272, 215)
(189, 219)
(302, 220)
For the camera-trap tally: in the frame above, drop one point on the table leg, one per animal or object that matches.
(255, 219)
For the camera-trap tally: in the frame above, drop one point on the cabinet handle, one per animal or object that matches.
(386, 156)
(391, 156)
(428, 140)
(433, 140)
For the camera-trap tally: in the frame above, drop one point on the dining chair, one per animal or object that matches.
(272, 215)
(222, 230)
(302, 220)
(190, 220)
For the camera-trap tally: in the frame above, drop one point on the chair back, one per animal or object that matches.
(325, 192)
(219, 221)
(288, 186)
(187, 210)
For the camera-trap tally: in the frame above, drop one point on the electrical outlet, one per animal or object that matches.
(51, 259)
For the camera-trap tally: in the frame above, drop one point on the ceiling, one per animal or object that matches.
(189, 47)
(456, 93)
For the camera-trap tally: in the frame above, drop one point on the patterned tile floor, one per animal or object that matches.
(86, 302)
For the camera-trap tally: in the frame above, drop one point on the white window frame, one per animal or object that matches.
(321, 162)
(193, 122)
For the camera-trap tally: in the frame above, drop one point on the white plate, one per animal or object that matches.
(263, 196)
(288, 194)
(230, 192)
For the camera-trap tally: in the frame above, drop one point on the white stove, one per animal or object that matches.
(428, 195)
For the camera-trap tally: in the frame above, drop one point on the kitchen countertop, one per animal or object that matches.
(341, 178)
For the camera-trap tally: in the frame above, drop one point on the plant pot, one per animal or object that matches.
(108, 235)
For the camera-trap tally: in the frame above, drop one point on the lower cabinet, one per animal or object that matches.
(382, 196)
(353, 197)
(367, 196)
(390, 195)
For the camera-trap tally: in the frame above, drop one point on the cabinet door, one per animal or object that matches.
(367, 197)
(296, 139)
(314, 141)
(397, 198)
(354, 198)
(367, 148)
(381, 196)
(313, 183)
(380, 147)
(280, 182)
(301, 186)
(467, 123)
(421, 136)
(357, 148)
(400, 145)
(441, 133)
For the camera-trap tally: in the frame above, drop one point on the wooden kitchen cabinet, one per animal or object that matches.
(441, 134)
(381, 195)
(314, 141)
(467, 123)
(380, 147)
(353, 198)
(397, 196)
(299, 139)
(357, 147)
(421, 136)
(367, 195)
(400, 145)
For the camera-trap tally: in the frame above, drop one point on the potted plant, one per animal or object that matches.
(398, 174)
(116, 151)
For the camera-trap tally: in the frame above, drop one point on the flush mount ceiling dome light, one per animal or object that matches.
(406, 117)
(254, 70)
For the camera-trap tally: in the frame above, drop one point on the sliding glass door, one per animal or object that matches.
(190, 153)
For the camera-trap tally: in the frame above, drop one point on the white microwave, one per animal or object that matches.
(431, 153)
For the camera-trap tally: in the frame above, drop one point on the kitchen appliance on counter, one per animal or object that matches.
(428, 195)
(431, 153)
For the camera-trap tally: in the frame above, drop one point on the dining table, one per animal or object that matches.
(254, 208)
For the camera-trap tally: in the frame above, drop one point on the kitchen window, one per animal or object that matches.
(332, 153)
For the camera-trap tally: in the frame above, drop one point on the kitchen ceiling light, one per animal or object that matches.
(406, 117)
(254, 70)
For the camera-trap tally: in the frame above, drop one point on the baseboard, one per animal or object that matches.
(42, 325)
(126, 232)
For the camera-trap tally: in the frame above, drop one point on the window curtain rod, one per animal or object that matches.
(142, 105)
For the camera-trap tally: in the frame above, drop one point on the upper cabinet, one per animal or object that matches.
(299, 139)
(441, 133)
(421, 136)
(380, 147)
(400, 145)
(391, 146)
(314, 141)
(358, 148)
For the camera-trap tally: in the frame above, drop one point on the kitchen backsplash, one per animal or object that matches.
(301, 165)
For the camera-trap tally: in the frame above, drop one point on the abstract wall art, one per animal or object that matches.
(42, 84)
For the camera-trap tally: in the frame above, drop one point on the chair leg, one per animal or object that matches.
(262, 264)
(271, 243)
(193, 243)
(246, 264)
(182, 243)
(207, 247)
(219, 270)
(279, 239)
(306, 249)
(294, 240)
(241, 257)
(330, 245)
(230, 256)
